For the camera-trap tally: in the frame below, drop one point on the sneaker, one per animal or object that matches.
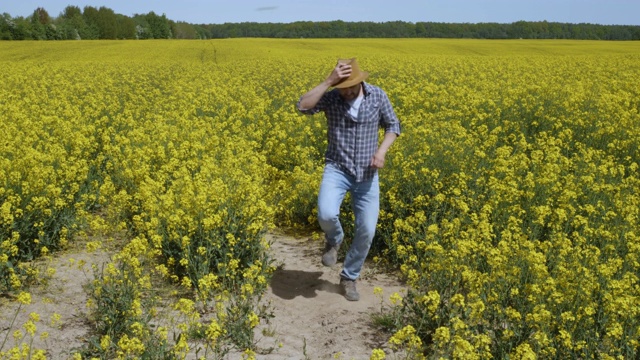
(330, 256)
(349, 288)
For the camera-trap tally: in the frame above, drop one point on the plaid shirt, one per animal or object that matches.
(353, 141)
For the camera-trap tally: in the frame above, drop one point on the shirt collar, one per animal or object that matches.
(366, 89)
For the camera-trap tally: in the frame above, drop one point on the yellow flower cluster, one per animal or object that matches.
(23, 340)
(168, 149)
(510, 201)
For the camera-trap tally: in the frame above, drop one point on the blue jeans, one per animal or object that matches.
(365, 202)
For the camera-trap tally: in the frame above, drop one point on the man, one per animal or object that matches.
(355, 110)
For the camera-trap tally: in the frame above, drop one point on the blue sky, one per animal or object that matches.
(606, 12)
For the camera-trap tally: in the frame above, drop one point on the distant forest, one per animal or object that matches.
(103, 23)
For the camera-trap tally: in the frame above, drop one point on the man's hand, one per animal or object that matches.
(377, 161)
(339, 73)
(311, 98)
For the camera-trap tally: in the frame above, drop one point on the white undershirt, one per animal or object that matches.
(355, 106)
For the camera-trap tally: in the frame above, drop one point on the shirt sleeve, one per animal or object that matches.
(320, 106)
(388, 119)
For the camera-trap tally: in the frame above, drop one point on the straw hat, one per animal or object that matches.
(357, 76)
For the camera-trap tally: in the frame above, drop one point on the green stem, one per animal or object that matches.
(10, 327)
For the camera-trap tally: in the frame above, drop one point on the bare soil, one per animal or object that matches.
(311, 319)
(63, 295)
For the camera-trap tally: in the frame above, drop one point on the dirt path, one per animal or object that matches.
(60, 302)
(312, 319)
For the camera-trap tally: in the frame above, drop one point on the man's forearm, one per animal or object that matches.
(311, 98)
(377, 161)
(389, 138)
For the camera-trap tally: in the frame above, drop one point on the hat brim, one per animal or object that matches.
(349, 82)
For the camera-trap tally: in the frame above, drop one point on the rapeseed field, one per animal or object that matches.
(510, 203)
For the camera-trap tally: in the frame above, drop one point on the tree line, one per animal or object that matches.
(103, 23)
(93, 23)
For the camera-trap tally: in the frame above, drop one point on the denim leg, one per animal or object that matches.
(366, 205)
(333, 188)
